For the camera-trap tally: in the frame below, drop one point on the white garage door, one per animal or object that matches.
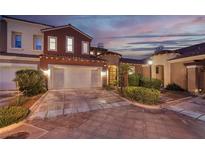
(7, 74)
(75, 77)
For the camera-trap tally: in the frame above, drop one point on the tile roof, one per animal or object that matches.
(18, 55)
(133, 61)
(65, 26)
(33, 22)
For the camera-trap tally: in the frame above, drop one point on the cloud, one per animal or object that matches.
(155, 36)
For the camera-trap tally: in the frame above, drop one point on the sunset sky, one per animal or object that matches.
(134, 36)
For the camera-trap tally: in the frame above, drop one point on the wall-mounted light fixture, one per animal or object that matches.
(103, 73)
(47, 72)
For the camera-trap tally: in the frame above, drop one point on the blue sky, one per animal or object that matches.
(135, 36)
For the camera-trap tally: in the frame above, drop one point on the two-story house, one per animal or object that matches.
(63, 53)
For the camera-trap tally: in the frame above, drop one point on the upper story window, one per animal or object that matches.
(16, 40)
(37, 42)
(85, 47)
(52, 43)
(69, 44)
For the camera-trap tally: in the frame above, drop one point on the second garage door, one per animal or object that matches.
(63, 77)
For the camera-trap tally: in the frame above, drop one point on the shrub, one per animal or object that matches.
(174, 87)
(31, 82)
(12, 114)
(133, 80)
(141, 94)
(153, 83)
(19, 100)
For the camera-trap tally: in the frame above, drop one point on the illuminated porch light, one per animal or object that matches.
(103, 73)
(47, 72)
(149, 62)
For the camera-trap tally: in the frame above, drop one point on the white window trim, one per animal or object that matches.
(41, 42)
(49, 43)
(67, 44)
(12, 43)
(82, 47)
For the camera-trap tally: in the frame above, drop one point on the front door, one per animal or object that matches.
(160, 72)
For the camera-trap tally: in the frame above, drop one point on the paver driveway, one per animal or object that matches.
(118, 121)
(68, 102)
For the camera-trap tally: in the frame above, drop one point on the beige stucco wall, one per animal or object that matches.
(27, 30)
(179, 74)
(146, 71)
(162, 59)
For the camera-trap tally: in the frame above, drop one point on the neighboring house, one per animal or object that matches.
(20, 44)
(113, 60)
(184, 67)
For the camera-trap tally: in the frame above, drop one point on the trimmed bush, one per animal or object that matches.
(12, 114)
(31, 82)
(153, 83)
(143, 95)
(174, 87)
(133, 80)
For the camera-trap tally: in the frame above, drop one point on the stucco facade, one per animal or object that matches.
(179, 74)
(28, 30)
(162, 60)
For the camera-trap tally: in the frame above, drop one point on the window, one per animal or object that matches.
(85, 47)
(16, 40)
(157, 70)
(69, 44)
(37, 42)
(52, 43)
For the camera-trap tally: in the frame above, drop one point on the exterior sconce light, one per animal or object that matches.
(103, 73)
(149, 62)
(47, 72)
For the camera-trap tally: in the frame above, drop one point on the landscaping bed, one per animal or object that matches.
(17, 110)
(148, 96)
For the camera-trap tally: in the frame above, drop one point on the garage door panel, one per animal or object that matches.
(58, 77)
(79, 77)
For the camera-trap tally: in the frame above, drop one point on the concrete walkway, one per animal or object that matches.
(192, 106)
(69, 102)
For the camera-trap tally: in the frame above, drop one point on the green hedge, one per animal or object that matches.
(174, 87)
(137, 80)
(12, 114)
(133, 80)
(153, 83)
(31, 82)
(143, 95)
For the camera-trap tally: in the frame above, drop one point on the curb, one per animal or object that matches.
(35, 105)
(155, 107)
(12, 126)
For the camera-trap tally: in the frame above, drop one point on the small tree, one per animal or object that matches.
(123, 75)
